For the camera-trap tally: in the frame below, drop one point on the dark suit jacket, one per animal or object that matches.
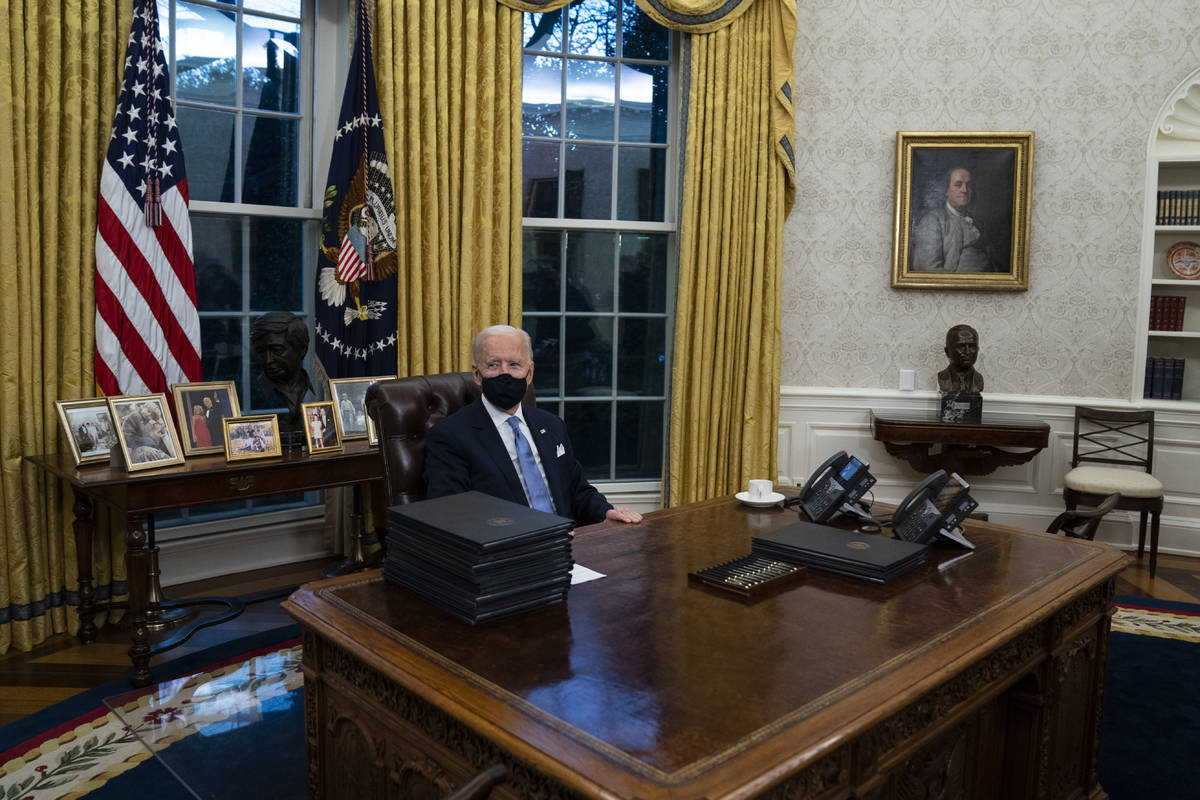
(464, 452)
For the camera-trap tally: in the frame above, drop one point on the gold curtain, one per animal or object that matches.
(449, 80)
(60, 75)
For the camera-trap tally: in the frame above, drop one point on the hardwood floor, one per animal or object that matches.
(62, 667)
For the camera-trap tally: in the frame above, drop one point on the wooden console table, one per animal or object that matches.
(968, 448)
(977, 675)
(199, 480)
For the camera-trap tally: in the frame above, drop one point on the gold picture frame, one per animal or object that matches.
(322, 427)
(251, 437)
(88, 425)
(347, 395)
(216, 401)
(144, 431)
(962, 210)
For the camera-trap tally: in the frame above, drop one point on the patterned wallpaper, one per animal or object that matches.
(1087, 76)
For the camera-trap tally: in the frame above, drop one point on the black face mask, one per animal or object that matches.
(504, 391)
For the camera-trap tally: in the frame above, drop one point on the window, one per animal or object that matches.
(599, 231)
(242, 73)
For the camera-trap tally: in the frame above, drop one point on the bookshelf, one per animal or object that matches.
(1168, 352)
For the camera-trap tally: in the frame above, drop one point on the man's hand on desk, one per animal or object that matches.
(622, 515)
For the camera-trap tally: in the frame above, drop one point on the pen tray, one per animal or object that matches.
(750, 577)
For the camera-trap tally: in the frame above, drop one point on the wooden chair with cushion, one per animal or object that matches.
(403, 409)
(1122, 441)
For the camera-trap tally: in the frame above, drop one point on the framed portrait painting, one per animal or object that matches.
(89, 428)
(347, 395)
(250, 437)
(144, 431)
(200, 409)
(322, 427)
(962, 210)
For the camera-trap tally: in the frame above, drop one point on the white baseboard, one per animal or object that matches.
(185, 558)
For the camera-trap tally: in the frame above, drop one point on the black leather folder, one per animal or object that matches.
(858, 555)
(477, 522)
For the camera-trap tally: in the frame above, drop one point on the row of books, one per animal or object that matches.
(1166, 312)
(1164, 379)
(1178, 207)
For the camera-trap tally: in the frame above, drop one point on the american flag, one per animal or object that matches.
(147, 326)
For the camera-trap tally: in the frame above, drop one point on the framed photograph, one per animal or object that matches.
(89, 428)
(322, 427)
(199, 408)
(348, 395)
(962, 210)
(255, 436)
(144, 431)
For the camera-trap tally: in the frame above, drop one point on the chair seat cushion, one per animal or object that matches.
(1106, 480)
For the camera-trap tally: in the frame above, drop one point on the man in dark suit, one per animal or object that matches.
(486, 446)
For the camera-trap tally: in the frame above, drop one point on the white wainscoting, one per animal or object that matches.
(816, 422)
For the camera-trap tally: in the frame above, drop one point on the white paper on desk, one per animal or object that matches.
(581, 574)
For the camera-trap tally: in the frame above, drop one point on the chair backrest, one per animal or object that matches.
(403, 409)
(1111, 436)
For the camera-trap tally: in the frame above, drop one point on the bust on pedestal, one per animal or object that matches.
(279, 341)
(960, 384)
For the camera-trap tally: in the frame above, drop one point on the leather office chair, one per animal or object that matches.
(403, 409)
(1124, 439)
(1082, 523)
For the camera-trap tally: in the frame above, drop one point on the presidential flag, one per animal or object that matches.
(147, 326)
(356, 269)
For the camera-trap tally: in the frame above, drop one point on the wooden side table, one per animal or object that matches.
(968, 448)
(200, 480)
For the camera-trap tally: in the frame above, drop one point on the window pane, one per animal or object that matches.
(588, 175)
(643, 281)
(543, 31)
(207, 138)
(590, 270)
(221, 350)
(285, 8)
(641, 183)
(205, 54)
(272, 156)
(541, 270)
(640, 442)
(544, 331)
(588, 356)
(218, 256)
(642, 37)
(539, 178)
(644, 103)
(590, 425)
(642, 359)
(541, 96)
(276, 280)
(270, 64)
(591, 98)
(592, 28)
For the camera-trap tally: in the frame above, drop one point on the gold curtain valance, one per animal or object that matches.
(690, 16)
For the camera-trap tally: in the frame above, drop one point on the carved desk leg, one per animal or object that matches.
(85, 527)
(135, 568)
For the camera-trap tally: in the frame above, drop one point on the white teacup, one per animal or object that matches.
(760, 490)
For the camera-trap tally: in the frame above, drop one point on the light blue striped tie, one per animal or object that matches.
(538, 492)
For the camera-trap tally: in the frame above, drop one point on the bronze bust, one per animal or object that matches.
(279, 341)
(962, 348)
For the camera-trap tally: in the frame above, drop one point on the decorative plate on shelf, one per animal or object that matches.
(1184, 260)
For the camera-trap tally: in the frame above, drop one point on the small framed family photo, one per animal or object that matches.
(200, 407)
(321, 427)
(255, 436)
(144, 431)
(348, 395)
(89, 428)
(962, 210)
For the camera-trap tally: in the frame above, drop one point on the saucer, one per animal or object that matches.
(773, 499)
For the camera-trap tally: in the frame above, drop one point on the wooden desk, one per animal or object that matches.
(968, 448)
(977, 675)
(198, 481)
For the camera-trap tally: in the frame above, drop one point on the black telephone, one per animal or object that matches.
(936, 507)
(840, 481)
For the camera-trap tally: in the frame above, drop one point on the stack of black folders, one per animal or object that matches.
(859, 555)
(479, 557)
